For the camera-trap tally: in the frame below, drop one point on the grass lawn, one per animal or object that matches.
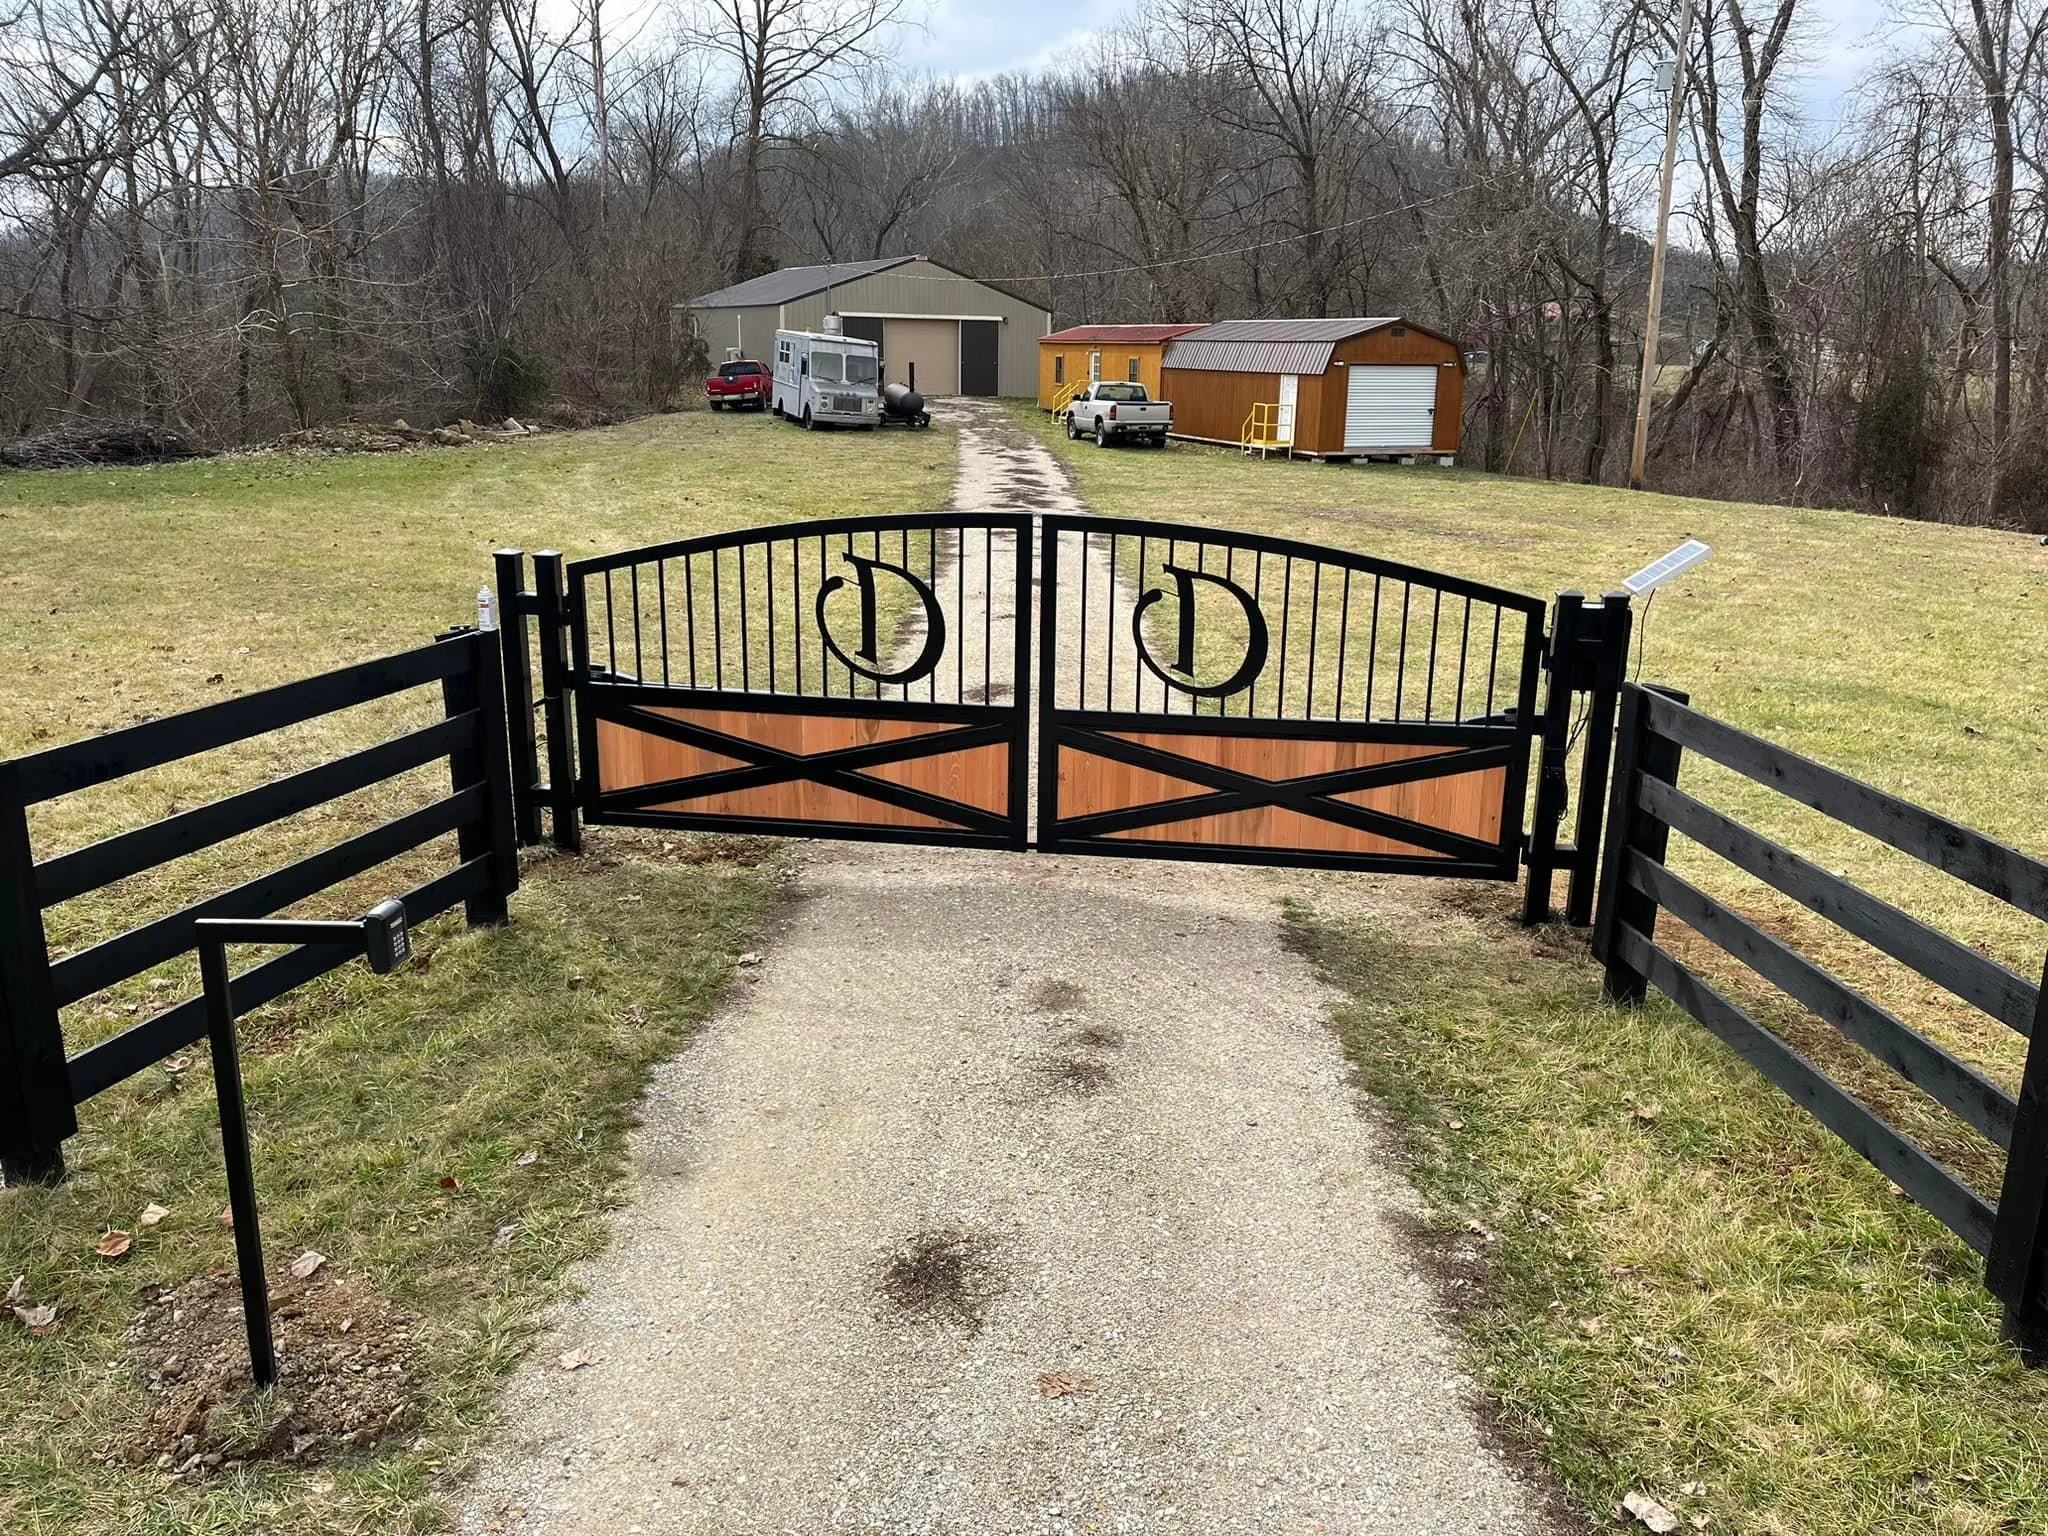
(1669, 1276)
(448, 1139)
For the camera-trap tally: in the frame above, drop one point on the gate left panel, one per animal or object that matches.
(863, 678)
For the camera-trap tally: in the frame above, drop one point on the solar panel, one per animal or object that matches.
(1661, 570)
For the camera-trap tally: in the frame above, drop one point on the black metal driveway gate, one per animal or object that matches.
(847, 679)
(1301, 706)
(1200, 695)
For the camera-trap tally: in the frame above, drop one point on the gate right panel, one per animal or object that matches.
(1211, 695)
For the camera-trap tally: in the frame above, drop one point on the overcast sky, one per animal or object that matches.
(969, 39)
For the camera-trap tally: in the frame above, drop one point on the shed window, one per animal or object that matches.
(1132, 374)
(1094, 366)
(1399, 330)
(1059, 367)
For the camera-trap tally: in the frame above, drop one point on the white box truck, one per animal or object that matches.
(827, 378)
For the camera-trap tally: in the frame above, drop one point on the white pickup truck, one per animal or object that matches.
(1106, 412)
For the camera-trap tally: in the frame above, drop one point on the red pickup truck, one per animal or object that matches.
(736, 384)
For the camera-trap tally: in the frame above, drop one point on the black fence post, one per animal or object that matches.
(1560, 663)
(1640, 754)
(36, 1113)
(481, 763)
(515, 606)
(2016, 1269)
(549, 588)
(1604, 678)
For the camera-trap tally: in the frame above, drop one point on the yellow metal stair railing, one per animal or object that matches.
(1261, 432)
(1064, 395)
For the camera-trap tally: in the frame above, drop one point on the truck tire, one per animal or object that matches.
(1101, 434)
(714, 405)
(809, 425)
(1072, 431)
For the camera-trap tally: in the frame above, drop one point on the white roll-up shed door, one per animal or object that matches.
(1389, 407)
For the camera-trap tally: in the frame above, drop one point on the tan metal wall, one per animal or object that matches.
(923, 289)
(751, 330)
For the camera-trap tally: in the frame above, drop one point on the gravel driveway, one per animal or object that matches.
(1010, 1194)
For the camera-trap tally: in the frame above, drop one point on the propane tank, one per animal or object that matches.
(902, 400)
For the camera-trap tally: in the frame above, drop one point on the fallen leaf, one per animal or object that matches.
(227, 1216)
(751, 957)
(449, 1181)
(1064, 1384)
(505, 1234)
(1644, 1114)
(636, 1015)
(178, 1064)
(575, 1359)
(1652, 1514)
(38, 1320)
(307, 1264)
(113, 1245)
(153, 1213)
(1694, 1490)
(1591, 1325)
(67, 1412)
(1456, 1125)
(17, 1293)
(527, 1158)
(347, 1323)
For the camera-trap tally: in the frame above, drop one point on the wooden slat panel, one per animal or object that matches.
(1467, 803)
(978, 776)
(1091, 784)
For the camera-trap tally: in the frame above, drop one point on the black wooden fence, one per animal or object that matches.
(40, 1086)
(1657, 728)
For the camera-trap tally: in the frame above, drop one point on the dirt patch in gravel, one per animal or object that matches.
(1056, 997)
(345, 1360)
(944, 1274)
(1096, 1037)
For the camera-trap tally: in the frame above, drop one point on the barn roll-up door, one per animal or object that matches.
(1389, 407)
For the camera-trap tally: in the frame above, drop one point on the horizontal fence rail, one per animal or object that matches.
(1658, 727)
(40, 1086)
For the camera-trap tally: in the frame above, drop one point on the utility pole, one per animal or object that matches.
(1656, 315)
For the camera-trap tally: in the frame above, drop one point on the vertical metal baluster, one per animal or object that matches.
(824, 650)
(1109, 651)
(611, 633)
(1137, 667)
(1251, 692)
(661, 599)
(1464, 647)
(639, 661)
(768, 569)
(903, 559)
(746, 634)
(1436, 611)
(1229, 575)
(1493, 660)
(796, 611)
(960, 615)
(1081, 681)
(988, 613)
(1172, 558)
(1401, 656)
(1315, 620)
(690, 613)
(1201, 564)
(1286, 616)
(1372, 648)
(717, 620)
(1343, 642)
